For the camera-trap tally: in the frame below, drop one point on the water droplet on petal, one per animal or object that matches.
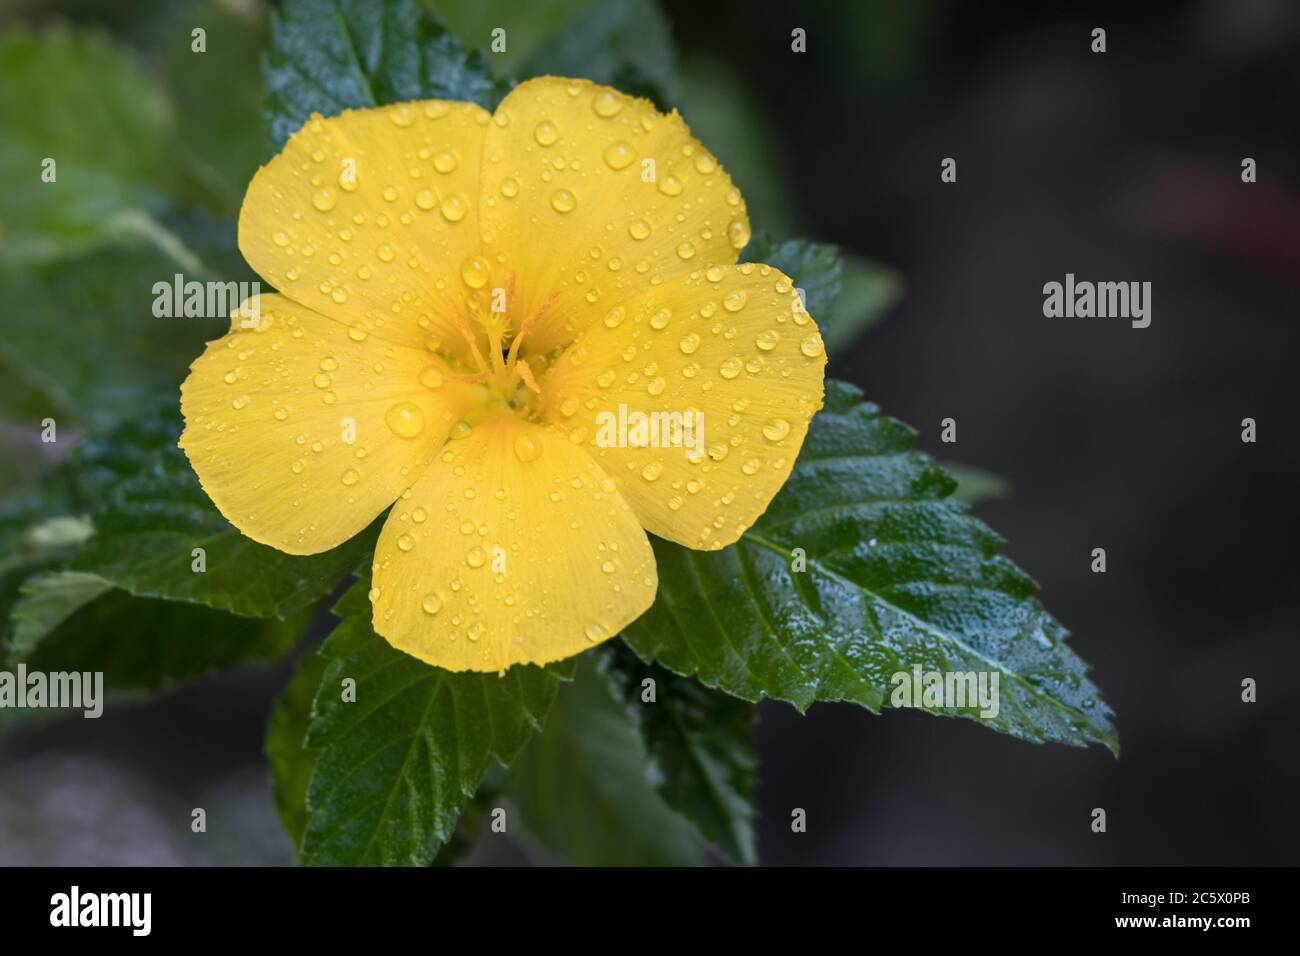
(811, 346)
(776, 429)
(351, 477)
(734, 300)
(474, 272)
(527, 448)
(606, 104)
(619, 155)
(324, 199)
(689, 344)
(546, 134)
(563, 201)
(454, 209)
(405, 419)
(738, 233)
(767, 339)
(431, 604)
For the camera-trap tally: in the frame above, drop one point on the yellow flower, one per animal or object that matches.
(475, 312)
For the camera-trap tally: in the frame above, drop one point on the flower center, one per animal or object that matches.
(509, 381)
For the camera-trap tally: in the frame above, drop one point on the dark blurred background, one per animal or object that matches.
(1123, 166)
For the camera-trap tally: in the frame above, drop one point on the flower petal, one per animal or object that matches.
(268, 417)
(611, 195)
(513, 548)
(731, 343)
(368, 216)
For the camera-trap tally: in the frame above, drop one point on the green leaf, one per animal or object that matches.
(80, 101)
(46, 601)
(622, 43)
(584, 790)
(38, 531)
(867, 292)
(82, 332)
(845, 294)
(148, 645)
(37, 528)
(701, 742)
(292, 763)
(395, 766)
(157, 514)
(330, 55)
(897, 575)
(975, 485)
(528, 25)
(291, 760)
(221, 136)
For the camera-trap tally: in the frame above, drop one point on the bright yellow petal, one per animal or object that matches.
(287, 425)
(513, 548)
(590, 195)
(731, 343)
(369, 217)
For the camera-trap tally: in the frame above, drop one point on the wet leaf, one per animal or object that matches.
(864, 568)
(396, 766)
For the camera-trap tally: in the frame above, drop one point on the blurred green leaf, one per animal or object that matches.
(622, 43)
(527, 25)
(975, 485)
(46, 601)
(395, 767)
(156, 514)
(286, 747)
(896, 575)
(330, 55)
(217, 96)
(82, 102)
(84, 335)
(142, 644)
(583, 786)
(867, 292)
(701, 742)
